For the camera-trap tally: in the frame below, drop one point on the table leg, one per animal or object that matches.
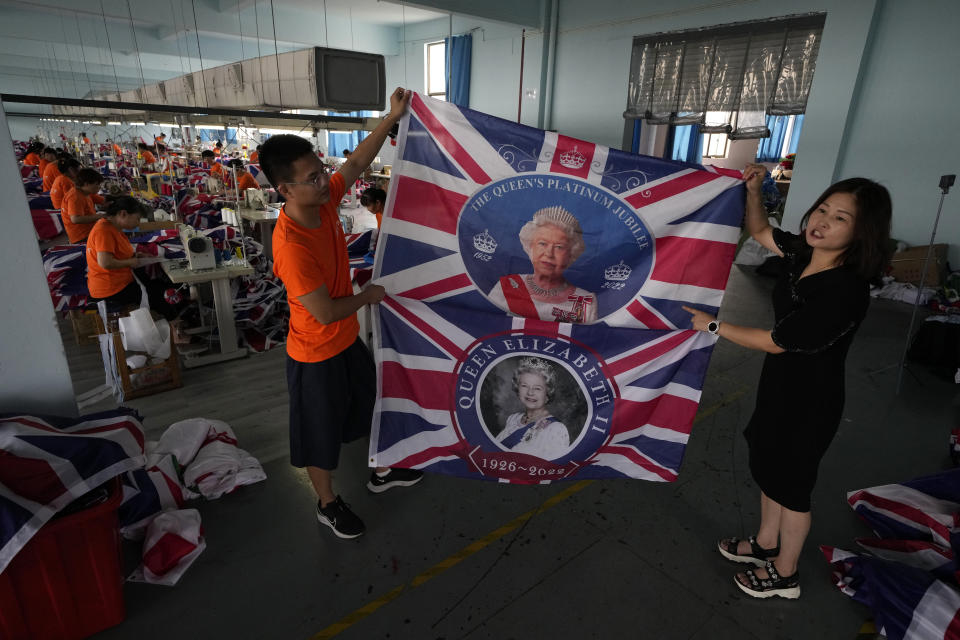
(223, 306)
(266, 238)
(226, 326)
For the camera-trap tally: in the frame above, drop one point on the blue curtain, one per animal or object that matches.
(685, 143)
(458, 67)
(338, 141)
(769, 148)
(635, 143)
(795, 134)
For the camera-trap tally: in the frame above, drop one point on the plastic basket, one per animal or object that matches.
(66, 583)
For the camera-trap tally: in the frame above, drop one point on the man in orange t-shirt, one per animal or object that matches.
(146, 155)
(50, 174)
(33, 158)
(78, 211)
(245, 179)
(210, 158)
(68, 168)
(255, 155)
(331, 376)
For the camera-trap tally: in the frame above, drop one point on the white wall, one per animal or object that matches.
(593, 63)
(34, 377)
(902, 130)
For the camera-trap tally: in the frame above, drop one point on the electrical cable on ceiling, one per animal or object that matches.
(66, 47)
(276, 52)
(403, 43)
(56, 74)
(110, 46)
(243, 53)
(326, 31)
(83, 52)
(133, 30)
(352, 45)
(256, 13)
(196, 30)
(176, 32)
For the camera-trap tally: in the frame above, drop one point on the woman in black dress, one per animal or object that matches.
(818, 303)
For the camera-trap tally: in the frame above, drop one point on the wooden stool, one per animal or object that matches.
(84, 323)
(128, 375)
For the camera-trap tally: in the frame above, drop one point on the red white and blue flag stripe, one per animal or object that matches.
(437, 316)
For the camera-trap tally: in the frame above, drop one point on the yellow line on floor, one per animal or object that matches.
(472, 548)
(356, 616)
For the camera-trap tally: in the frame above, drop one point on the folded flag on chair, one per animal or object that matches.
(532, 329)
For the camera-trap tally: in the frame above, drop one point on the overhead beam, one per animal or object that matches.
(527, 13)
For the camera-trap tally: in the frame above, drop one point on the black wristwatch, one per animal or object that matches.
(714, 327)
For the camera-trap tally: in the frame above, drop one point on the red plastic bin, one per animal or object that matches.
(66, 583)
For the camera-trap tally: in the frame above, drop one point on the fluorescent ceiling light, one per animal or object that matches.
(277, 131)
(167, 124)
(216, 127)
(136, 124)
(114, 123)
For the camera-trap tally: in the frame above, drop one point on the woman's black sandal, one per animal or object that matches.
(758, 556)
(773, 585)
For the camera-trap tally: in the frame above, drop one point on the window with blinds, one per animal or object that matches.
(727, 78)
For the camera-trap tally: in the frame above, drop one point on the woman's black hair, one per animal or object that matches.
(207, 153)
(88, 176)
(67, 163)
(278, 154)
(373, 194)
(125, 203)
(869, 251)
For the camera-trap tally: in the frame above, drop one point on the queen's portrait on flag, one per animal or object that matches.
(553, 240)
(535, 431)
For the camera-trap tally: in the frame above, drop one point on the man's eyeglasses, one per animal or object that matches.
(316, 182)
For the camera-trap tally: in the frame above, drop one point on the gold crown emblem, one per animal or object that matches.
(618, 272)
(484, 242)
(572, 159)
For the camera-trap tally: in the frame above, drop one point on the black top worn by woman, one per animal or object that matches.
(801, 392)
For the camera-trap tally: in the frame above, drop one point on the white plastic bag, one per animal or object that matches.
(141, 333)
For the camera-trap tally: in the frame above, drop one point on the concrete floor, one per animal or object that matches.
(453, 558)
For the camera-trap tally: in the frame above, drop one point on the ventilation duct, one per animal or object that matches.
(313, 78)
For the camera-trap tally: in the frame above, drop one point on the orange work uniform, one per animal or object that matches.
(77, 203)
(101, 282)
(306, 259)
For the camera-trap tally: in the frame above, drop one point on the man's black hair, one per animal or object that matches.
(278, 154)
(373, 194)
(207, 153)
(236, 162)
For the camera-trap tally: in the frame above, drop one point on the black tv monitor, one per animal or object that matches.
(350, 80)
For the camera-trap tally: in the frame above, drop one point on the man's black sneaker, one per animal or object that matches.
(337, 516)
(394, 478)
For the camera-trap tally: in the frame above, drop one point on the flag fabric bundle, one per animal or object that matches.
(533, 328)
(908, 574)
(46, 463)
(907, 603)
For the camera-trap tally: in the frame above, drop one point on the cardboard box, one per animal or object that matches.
(906, 265)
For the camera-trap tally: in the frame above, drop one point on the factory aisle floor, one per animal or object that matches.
(453, 558)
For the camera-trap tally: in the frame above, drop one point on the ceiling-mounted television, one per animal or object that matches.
(350, 80)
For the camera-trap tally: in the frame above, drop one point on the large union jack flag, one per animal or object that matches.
(532, 329)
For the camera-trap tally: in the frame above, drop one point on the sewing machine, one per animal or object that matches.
(198, 247)
(255, 199)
